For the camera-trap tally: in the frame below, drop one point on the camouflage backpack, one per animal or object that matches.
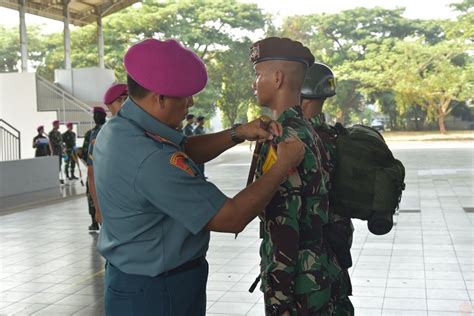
(368, 181)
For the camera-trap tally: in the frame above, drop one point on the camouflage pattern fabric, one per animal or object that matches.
(69, 139)
(56, 141)
(299, 271)
(342, 225)
(87, 140)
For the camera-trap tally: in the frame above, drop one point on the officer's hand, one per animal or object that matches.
(291, 152)
(287, 313)
(261, 129)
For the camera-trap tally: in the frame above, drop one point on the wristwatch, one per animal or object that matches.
(233, 134)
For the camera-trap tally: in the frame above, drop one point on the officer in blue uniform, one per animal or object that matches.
(157, 208)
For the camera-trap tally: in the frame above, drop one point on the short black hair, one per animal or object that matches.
(200, 118)
(189, 116)
(136, 90)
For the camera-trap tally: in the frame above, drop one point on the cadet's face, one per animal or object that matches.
(177, 109)
(261, 86)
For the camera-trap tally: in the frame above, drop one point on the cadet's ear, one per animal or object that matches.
(278, 78)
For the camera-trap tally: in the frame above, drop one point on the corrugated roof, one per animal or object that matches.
(81, 12)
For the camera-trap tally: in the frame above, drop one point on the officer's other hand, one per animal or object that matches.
(291, 152)
(261, 129)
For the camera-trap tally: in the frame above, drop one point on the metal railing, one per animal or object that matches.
(10, 142)
(69, 108)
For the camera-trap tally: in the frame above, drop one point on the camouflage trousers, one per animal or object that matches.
(70, 161)
(90, 202)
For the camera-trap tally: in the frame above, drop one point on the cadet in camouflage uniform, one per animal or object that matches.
(56, 141)
(113, 99)
(320, 84)
(69, 139)
(300, 273)
(99, 119)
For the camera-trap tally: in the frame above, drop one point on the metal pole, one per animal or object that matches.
(67, 36)
(100, 39)
(23, 37)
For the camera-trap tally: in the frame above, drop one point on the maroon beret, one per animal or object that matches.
(166, 67)
(68, 124)
(276, 48)
(55, 122)
(99, 109)
(114, 92)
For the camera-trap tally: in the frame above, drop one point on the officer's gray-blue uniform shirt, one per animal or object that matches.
(154, 209)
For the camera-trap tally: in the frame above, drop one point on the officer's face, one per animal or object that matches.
(262, 84)
(177, 109)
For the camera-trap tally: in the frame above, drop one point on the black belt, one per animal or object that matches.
(186, 266)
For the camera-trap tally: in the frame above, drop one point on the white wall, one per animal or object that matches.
(18, 107)
(28, 175)
(86, 84)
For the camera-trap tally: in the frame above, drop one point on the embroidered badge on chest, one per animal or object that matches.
(180, 160)
(270, 160)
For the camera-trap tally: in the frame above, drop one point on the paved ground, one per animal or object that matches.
(424, 266)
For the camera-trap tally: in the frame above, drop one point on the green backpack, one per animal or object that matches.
(368, 181)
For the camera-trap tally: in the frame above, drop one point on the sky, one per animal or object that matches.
(415, 9)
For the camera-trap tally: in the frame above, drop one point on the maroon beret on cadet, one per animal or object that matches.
(55, 122)
(114, 92)
(99, 109)
(276, 48)
(69, 124)
(166, 68)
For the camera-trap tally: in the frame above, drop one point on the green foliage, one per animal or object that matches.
(410, 69)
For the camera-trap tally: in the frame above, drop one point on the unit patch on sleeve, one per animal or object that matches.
(179, 160)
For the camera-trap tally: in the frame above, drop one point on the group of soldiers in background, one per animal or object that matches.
(57, 144)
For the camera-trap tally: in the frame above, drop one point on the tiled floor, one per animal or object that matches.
(424, 266)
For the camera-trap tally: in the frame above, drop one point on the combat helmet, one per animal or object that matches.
(319, 82)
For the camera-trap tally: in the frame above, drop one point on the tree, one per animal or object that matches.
(429, 76)
(234, 72)
(10, 56)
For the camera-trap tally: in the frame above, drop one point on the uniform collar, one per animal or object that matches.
(318, 120)
(130, 110)
(295, 111)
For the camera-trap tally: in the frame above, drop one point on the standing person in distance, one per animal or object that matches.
(199, 130)
(56, 142)
(188, 128)
(41, 143)
(69, 140)
(114, 97)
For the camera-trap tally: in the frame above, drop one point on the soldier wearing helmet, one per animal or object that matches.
(320, 84)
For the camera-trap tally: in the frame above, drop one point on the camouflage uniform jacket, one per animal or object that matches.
(69, 138)
(297, 268)
(56, 141)
(87, 140)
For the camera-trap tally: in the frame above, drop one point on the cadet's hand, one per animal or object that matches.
(98, 216)
(290, 152)
(287, 313)
(261, 129)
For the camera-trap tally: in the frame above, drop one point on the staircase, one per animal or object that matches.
(10, 142)
(68, 108)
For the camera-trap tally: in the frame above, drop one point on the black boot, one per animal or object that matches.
(66, 171)
(73, 177)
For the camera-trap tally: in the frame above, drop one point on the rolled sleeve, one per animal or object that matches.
(187, 198)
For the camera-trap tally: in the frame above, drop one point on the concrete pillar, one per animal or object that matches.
(67, 36)
(23, 37)
(100, 39)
